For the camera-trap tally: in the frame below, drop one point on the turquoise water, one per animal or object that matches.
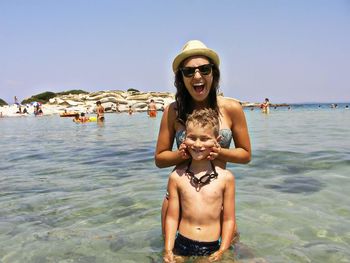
(88, 193)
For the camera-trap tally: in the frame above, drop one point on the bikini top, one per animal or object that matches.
(226, 137)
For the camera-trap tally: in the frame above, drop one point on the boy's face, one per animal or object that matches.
(199, 141)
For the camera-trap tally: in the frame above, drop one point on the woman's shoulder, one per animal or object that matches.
(170, 108)
(229, 105)
(170, 115)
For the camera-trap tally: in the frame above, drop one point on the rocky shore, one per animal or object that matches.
(112, 101)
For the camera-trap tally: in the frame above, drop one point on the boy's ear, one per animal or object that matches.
(219, 138)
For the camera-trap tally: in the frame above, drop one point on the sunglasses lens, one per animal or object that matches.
(205, 69)
(188, 72)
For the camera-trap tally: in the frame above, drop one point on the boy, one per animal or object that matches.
(203, 192)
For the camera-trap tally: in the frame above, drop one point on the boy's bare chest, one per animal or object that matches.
(208, 193)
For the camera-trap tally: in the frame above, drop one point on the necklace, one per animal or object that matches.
(203, 180)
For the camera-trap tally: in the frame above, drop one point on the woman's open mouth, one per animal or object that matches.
(199, 87)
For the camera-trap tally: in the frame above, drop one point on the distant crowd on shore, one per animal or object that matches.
(37, 108)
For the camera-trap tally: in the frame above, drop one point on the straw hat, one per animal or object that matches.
(195, 48)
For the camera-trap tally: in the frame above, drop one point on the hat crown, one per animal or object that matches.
(193, 44)
(195, 48)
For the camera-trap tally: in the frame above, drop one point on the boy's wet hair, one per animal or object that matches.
(206, 117)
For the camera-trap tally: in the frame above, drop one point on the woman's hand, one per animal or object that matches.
(168, 256)
(183, 151)
(215, 151)
(216, 255)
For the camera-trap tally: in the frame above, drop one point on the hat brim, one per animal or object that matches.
(196, 52)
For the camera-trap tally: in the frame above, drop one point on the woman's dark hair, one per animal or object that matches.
(184, 101)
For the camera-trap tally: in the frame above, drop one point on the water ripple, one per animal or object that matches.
(85, 193)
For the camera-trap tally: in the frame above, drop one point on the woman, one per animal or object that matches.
(197, 78)
(100, 111)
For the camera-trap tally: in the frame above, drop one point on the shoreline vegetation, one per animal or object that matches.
(78, 101)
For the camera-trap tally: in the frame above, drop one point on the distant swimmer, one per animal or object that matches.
(334, 106)
(76, 118)
(130, 111)
(83, 118)
(265, 107)
(100, 111)
(152, 109)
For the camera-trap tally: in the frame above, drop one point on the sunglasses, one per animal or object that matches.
(189, 72)
(203, 180)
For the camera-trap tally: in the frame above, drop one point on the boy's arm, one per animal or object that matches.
(228, 224)
(172, 216)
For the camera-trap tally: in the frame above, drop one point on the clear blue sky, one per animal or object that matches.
(290, 51)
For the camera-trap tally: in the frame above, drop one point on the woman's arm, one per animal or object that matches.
(242, 151)
(164, 155)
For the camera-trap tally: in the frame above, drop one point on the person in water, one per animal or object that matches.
(76, 118)
(197, 77)
(204, 192)
(130, 110)
(152, 109)
(265, 107)
(83, 118)
(100, 111)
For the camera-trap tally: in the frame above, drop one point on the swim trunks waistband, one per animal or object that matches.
(188, 247)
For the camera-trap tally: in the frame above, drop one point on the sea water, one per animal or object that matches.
(92, 193)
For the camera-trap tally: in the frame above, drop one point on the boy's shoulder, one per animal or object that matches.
(225, 174)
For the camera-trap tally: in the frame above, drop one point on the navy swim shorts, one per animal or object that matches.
(188, 247)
